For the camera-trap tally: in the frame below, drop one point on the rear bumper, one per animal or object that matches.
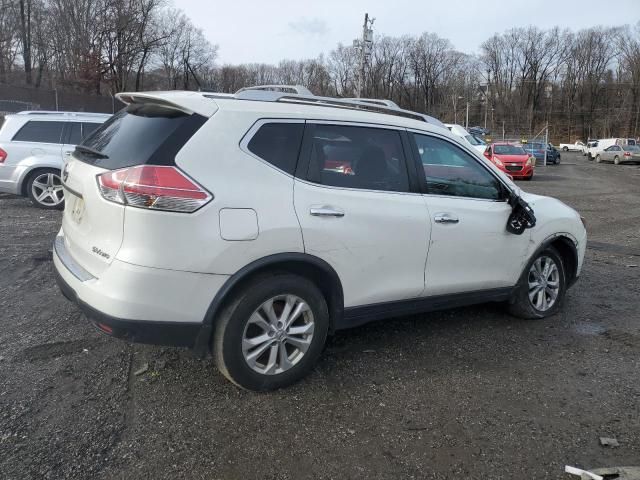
(177, 334)
(139, 304)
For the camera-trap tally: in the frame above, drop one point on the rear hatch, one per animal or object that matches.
(145, 134)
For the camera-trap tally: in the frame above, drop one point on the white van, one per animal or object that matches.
(472, 140)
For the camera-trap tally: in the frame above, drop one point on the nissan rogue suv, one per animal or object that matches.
(254, 225)
(33, 146)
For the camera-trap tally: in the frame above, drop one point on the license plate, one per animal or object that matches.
(77, 209)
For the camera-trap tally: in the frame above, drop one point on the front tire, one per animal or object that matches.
(271, 333)
(44, 189)
(598, 159)
(542, 287)
(565, 149)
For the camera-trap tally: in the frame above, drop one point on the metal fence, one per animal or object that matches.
(17, 98)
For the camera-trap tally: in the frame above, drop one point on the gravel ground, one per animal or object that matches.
(468, 393)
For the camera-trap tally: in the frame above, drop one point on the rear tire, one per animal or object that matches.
(616, 160)
(541, 288)
(598, 159)
(44, 189)
(253, 343)
(565, 149)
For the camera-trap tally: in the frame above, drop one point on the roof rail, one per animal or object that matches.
(53, 112)
(274, 96)
(376, 101)
(296, 89)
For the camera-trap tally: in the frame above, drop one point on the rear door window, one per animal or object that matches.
(75, 133)
(279, 144)
(358, 157)
(40, 132)
(139, 134)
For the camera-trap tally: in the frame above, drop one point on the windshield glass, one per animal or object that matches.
(535, 146)
(473, 140)
(508, 150)
(632, 148)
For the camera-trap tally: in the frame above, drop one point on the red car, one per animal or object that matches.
(511, 159)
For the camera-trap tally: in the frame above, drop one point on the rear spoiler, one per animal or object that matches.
(187, 102)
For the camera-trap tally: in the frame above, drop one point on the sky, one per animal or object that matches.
(268, 31)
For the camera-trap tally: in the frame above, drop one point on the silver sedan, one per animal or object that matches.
(618, 154)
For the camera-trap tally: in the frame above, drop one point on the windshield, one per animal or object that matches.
(631, 148)
(535, 146)
(473, 140)
(508, 150)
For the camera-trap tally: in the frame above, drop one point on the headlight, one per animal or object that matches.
(531, 161)
(497, 162)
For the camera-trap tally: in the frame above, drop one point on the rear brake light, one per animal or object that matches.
(627, 154)
(3, 155)
(153, 187)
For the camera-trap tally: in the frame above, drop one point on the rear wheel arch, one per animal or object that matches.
(305, 265)
(24, 181)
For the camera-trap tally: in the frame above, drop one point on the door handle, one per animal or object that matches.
(445, 218)
(68, 153)
(326, 211)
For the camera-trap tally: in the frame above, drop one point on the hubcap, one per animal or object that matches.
(278, 334)
(544, 283)
(47, 189)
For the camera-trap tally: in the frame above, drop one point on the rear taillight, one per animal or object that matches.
(627, 154)
(3, 155)
(153, 187)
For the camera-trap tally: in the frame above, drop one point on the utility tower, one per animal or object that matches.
(364, 46)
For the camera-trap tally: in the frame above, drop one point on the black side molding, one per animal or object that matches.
(356, 316)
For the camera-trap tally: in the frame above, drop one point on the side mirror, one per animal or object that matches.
(488, 155)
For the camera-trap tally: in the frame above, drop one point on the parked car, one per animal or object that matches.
(472, 140)
(33, 145)
(537, 149)
(219, 223)
(619, 154)
(573, 147)
(512, 159)
(604, 143)
(479, 131)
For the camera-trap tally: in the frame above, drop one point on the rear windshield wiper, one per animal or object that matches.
(91, 151)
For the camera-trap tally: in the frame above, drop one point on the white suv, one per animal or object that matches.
(33, 145)
(254, 225)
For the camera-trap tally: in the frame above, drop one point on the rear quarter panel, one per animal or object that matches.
(237, 180)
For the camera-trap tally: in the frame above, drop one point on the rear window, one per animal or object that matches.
(278, 144)
(40, 132)
(139, 134)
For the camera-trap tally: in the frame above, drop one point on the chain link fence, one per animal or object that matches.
(18, 98)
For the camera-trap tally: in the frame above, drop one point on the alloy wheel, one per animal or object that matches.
(544, 283)
(278, 334)
(47, 189)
